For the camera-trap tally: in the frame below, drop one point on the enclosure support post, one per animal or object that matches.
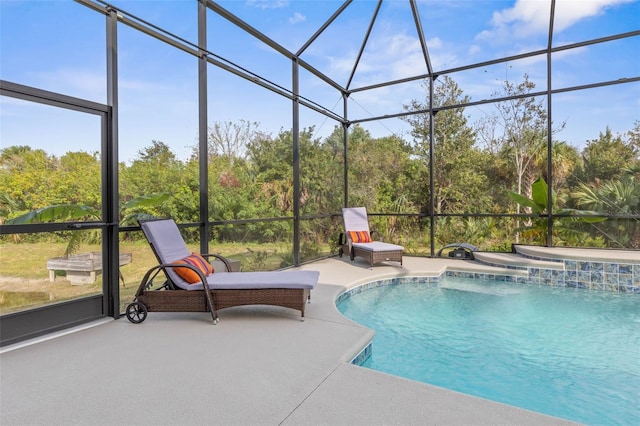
(345, 139)
(110, 191)
(296, 161)
(549, 133)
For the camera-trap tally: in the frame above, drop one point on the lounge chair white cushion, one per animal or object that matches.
(377, 246)
(263, 279)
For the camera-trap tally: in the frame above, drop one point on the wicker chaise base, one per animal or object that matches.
(378, 256)
(373, 256)
(195, 300)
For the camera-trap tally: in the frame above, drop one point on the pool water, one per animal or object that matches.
(569, 353)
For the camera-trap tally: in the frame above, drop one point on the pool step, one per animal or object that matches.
(584, 254)
(483, 268)
(514, 261)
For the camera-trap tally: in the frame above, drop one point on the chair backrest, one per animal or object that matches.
(167, 244)
(355, 219)
(165, 239)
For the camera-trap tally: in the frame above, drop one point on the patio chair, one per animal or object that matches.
(358, 241)
(183, 275)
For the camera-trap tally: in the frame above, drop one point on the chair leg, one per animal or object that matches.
(212, 308)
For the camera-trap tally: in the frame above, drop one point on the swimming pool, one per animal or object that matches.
(565, 352)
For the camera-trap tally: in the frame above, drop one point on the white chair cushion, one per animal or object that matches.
(256, 280)
(378, 246)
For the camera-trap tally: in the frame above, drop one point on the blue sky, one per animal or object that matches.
(59, 46)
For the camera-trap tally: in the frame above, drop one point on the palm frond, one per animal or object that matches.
(150, 200)
(56, 212)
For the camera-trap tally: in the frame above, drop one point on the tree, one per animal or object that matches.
(564, 159)
(229, 139)
(605, 158)
(271, 160)
(157, 170)
(7, 206)
(78, 179)
(518, 131)
(617, 198)
(25, 175)
(633, 137)
(321, 172)
(459, 181)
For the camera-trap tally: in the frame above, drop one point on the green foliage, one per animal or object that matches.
(36, 179)
(379, 173)
(8, 206)
(136, 209)
(617, 198)
(129, 212)
(607, 157)
(57, 213)
(457, 162)
(540, 205)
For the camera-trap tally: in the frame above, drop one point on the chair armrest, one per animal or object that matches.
(147, 280)
(220, 258)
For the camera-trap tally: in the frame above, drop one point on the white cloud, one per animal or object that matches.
(297, 18)
(434, 43)
(400, 45)
(344, 64)
(389, 57)
(570, 12)
(75, 82)
(526, 17)
(393, 57)
(474, 50)
(531, 17)
(268, 4)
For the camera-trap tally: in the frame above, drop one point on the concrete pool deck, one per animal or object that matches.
(258, 366)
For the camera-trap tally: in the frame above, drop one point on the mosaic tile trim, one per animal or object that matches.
(484, 276)
(593, 275)
(547, 259)
(386, 282)
(501, 265)
(585, 275)
(363, 355)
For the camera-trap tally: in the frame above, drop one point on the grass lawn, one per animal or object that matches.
(24, 277)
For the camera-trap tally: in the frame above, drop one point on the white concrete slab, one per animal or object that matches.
(258, 366)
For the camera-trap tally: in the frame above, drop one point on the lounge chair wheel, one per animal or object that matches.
(136, 312)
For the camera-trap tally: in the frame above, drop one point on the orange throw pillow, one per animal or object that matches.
(360, 236)
(189, 275)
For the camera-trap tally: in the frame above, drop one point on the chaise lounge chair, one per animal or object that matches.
(357, 240)
(184, 273)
